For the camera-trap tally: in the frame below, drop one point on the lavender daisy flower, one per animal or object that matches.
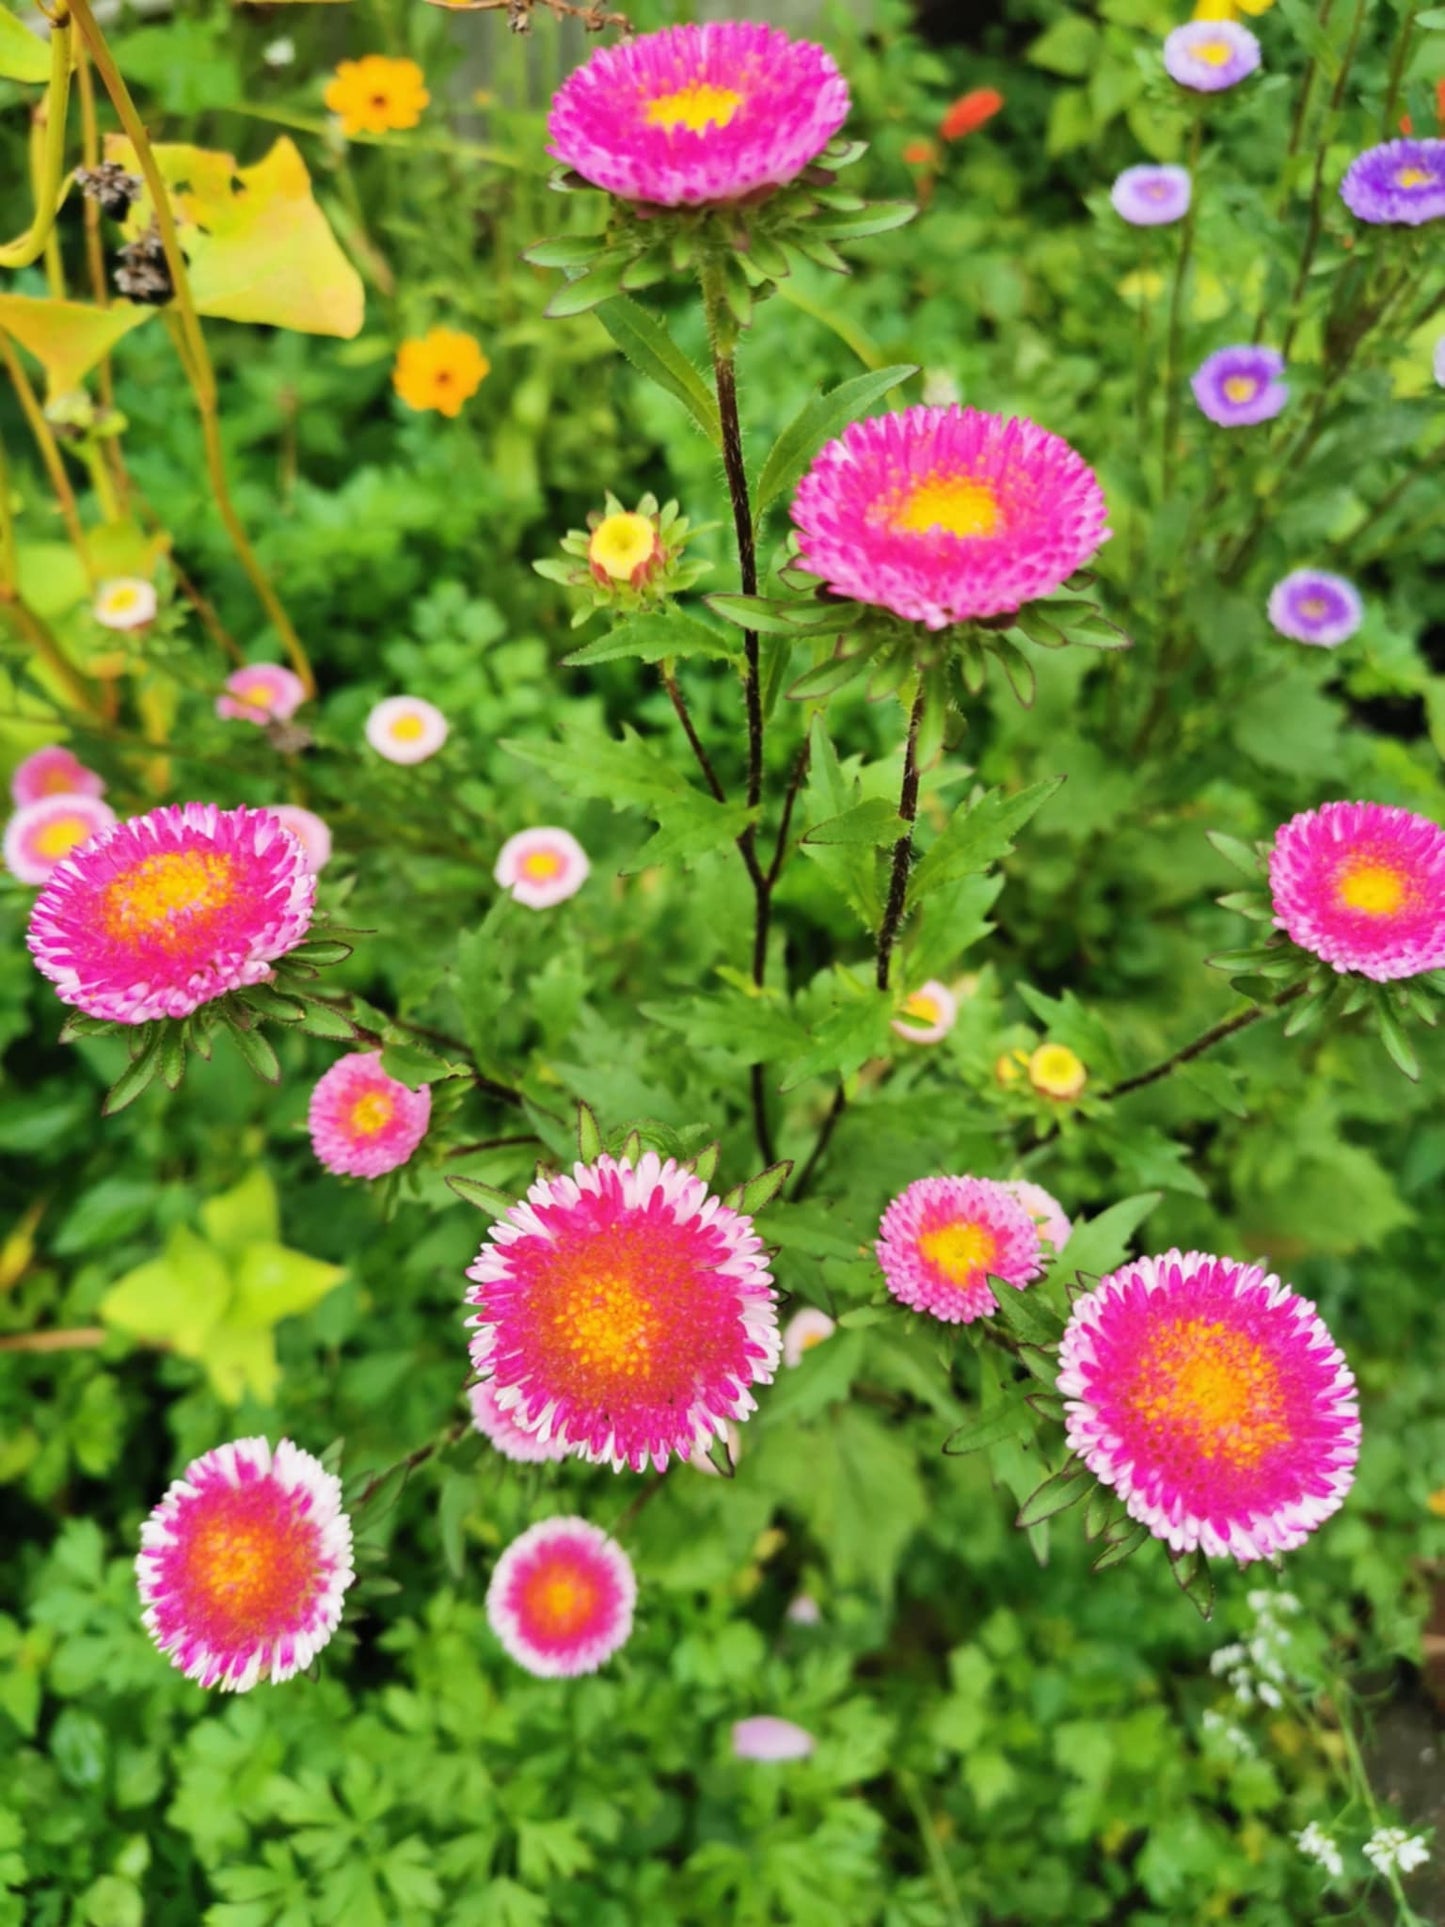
(1399, 183)
(1310, 605)
(1237, 387)
(1440, 361)
(1152, 196)
(1210, 55)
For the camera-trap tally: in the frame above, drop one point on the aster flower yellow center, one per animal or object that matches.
(157, 897)
(1241, 387)
(961, 1251)
(606, 1323)
(620, 544)
(1315, 606)
(1206, 1383)
(407, 729)
(542, 865)
(259, 694)
(251, 1565)
(1214, 53)
(559, 1601)
(372, 1113)
(1056, 1071)
(921, 1007)
(810, 1339)
(121, 600)
(60, 836)
(953, 503)
(1378, 889)
(696, 107)
(1412, 177)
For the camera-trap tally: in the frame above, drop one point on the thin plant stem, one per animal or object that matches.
(1169, 452)
(95, 262)
(78, 1338)
(795, 783)
(684, 716)
(49, 453)
(31, 245)
(1315, 224)
(933, 1849)
(9, 560)
(1216, 1034)
(644, 1497)
(821, 1143)
(37, 635)
(403, 1468)
(1398, 61)
(101, 482)
(903, 848)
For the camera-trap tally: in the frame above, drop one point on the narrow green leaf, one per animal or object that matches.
(485, 1196)
(879, 217)
(324, 1020)
(875, 821)
(751, 1196)
(23, 55)
(824, 679)
(565, 251)
(319, 950)
(1024, 1314)
(139, 1073)
(1009, 1421)
(769, 616)
(1056, 1494)
(588, 290)
(1242, 855)
(589, 1134)
(818, 421)
(654, 353)
(1122, 1548)
(1194, 1580)
(1397, 1043)
(704, 1164)
(255, 1046)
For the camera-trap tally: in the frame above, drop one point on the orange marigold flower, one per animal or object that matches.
(440, 370)
(375, 95)
(969, 111)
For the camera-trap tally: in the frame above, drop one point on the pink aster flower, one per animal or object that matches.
(625, 1311)
(128, 602)
(168, 911)
(698, 114)
(504, 1432)
(405, 729)
(804, 1330)
(310, 832)
(928, 1014)
(542, 867)
(943, 1239)
(561, 1599)
(1209, 55)
(944, 514)
(1212, 1399)
(804, 1610)
(53, 771)
(362, 1122)
(244, 1563)
(1049, 1217)
(765, 1737)
(262, 692)
(1362, 885)
(42, 835)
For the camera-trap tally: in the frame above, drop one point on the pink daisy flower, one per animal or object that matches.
(542, 867)
(41, 835)
(698, 114)
(53, 771)
(625, 1311)
(504, 1432)
(942, 1239)
(804, 1610)
(1213, 1400)
(561, 1599)
(362, 1122)
(1362, 885)
(128, 602)
(244, 1563)
(767, 1738)
(928, 1014)
(946, 514)
(262, 692)
(310, 832)
(1050, 1219)
(167, 911)
(803, 1331)
(405, 729)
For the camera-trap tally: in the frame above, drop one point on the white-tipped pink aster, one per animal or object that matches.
(804, 1330)
(928, 1014)
(53, 771)
(1362, 885)
(244, 1564)
(946, 514)
(310, 832)
(262, 692)
(542, 867)
(1213, 1400)
(693, 115)
(406, 729)
(503, 1431)
(41, 835)
(561, 1599)
(126, 602)
(942, 1240)
(766, 1738)
(1050, 1219)
(167, 911)
(626, 1311)
(364, 1123)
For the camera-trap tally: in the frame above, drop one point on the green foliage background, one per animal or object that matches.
(999, 1741)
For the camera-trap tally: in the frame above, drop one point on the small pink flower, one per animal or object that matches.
(804, 1610)
(1362, 885)
(310, 832)
(561, 1599)
(168, 911)
(53, 771)
(542, 867)
(942, 1240)
(41, 835)
(244, 1564)
(765, 1737)
(504, 1433)
(803, 1331)
(1050, 1219)
(362, 1122)
(406, 729)
(928, 1014)
(127, 602)
(262, 692)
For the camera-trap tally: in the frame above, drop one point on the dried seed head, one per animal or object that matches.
(111, 185)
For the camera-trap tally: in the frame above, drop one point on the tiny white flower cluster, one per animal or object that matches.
(1225, 1736)
(1392, 1850)
(1256, 1668)
(1315, 1844)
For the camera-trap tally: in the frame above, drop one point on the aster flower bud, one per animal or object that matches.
(626, 559)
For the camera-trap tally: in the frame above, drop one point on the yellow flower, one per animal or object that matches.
(621, 545)
(440, 370)
(1229, 9)
(1010, 1066)
(1054, 1071)
(376, 95)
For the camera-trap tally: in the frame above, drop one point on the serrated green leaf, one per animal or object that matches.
(875, 822)
(652, 350)
(654, 638)
(1012, 1420)
(857, 1027)
(819, 421)
(1101, 1244)
(255, 1047)
(977, 837)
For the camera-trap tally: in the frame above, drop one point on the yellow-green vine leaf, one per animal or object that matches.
(67, 338)
(23, 55)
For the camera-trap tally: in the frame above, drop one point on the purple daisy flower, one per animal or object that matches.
(1399, 183)
(1237, 387)
(1152, 196)
(1210, 55)
(1310, 605)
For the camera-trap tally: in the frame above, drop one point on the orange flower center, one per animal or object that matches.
(1241, 387)
(163, 893)
(954, 504)
(696, 107)
(253, 1562)
(57, 782)
(372, 1113)
(558, 1600)
(962, 1251)
(1377, 889)
(810, 1339)
(607, 1324)
(542, 865)
(1209, 1385)
(61, 835)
